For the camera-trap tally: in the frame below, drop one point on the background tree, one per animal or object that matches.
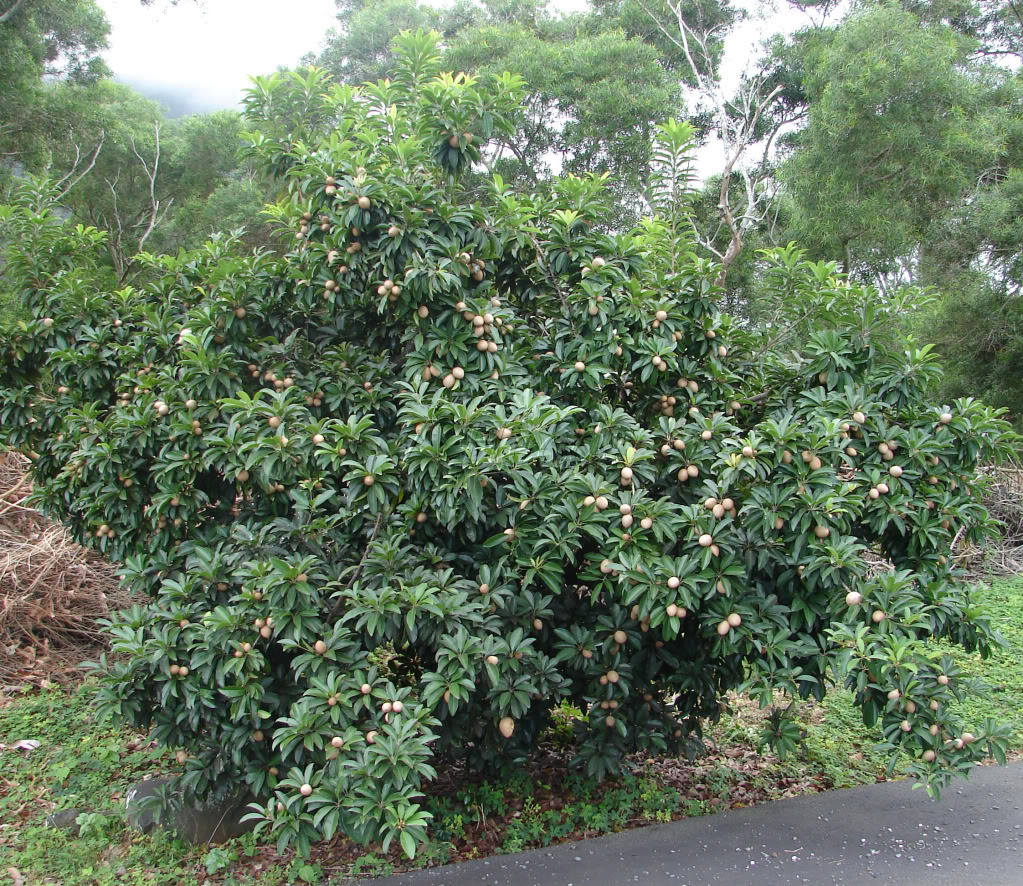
(43, 41)
(595, 94)
(898, 130)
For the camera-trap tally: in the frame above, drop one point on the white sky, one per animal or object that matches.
(198, 57)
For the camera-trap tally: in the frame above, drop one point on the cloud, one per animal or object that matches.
(197, 57)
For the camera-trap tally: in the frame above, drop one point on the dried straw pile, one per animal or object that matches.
(51, 589)
(1004, 500)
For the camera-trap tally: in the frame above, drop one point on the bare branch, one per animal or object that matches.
(114, 241)
(735, 121)
(151, 175)
(63, 192)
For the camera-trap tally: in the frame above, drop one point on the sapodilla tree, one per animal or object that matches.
(395, 497)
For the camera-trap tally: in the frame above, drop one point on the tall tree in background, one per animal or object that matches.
(691, 37)
(899, 127)
(43, 41)
(909, 169)
(596, 92)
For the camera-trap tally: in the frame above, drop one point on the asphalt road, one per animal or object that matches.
(886, 834)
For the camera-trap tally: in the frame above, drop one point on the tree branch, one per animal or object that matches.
(153, 202)
(92, 162)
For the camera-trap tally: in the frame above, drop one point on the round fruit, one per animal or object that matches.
(853, 598)
(371, 736)
(336, 741)
(673, 582)
(906, 726)
(305, 790)
(821, 532)
(734, 619)
(894, 695)
(626, 475)
(507, 726)
(878, 617)
(928, 756)
(723, 628)
(671, 610)
(706, 540)
(320, 647)
(579, 366)
(943, 679)
(602, 503)
(318, 438)
(364, 203)
(945, 418)
(492, 659)
(895, 471)
(661, 315)
(368, 480)
(620, 637)
(365, 689)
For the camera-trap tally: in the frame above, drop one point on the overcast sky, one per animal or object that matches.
(197, 57)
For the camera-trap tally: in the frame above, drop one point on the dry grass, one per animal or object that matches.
(52, 590)
(1003, 556)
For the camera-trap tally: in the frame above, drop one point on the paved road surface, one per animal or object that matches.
(884, 834)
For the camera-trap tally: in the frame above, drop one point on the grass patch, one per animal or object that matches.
(1003, 672)
(82, 765)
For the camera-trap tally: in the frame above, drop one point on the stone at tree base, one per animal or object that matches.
(65, 820)
(212, 822)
